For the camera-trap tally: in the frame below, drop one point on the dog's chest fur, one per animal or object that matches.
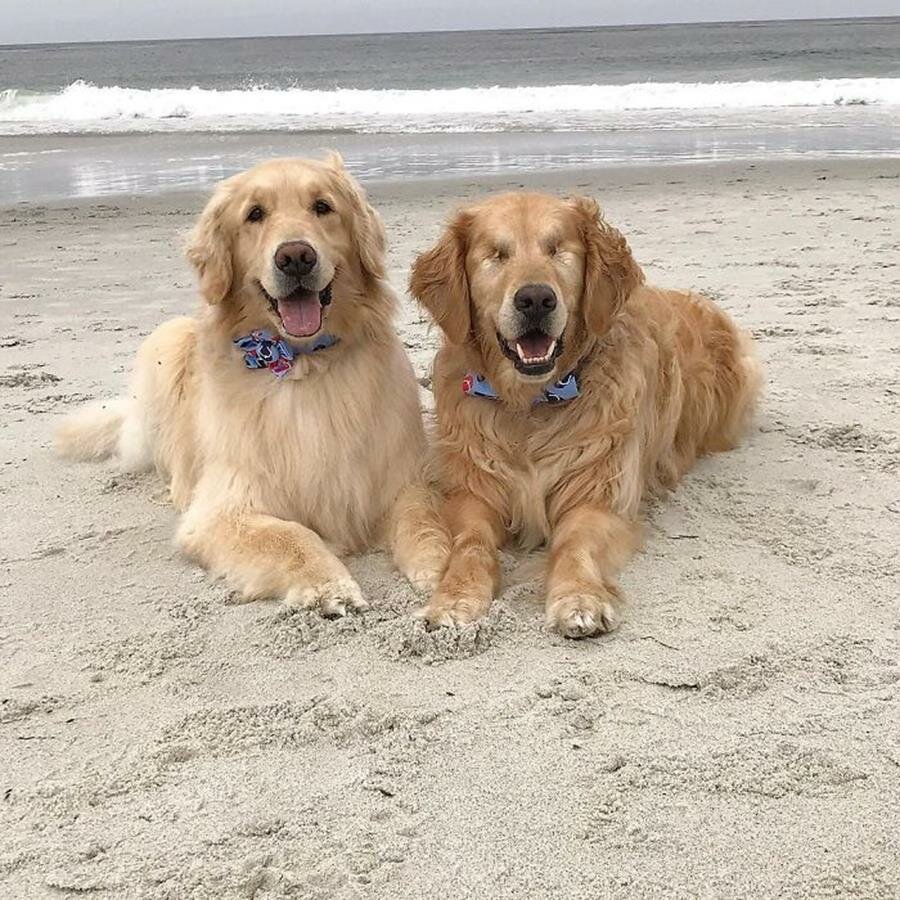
(535, 466)
(526, 461)
(330, 450)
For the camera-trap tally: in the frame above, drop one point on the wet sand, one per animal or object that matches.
(55, 167)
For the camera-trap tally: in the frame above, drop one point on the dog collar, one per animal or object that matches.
(562, 391)
(262, 350)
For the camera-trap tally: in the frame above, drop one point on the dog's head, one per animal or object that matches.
(290, 243)
(523, 277)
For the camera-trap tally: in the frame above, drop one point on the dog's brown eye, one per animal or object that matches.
(501, 254)
(256, 214)
(553, 249)
(322, 207)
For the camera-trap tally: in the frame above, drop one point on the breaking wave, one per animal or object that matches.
(84, 107)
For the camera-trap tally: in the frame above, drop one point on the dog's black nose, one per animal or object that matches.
(535, 299)
(296, 258)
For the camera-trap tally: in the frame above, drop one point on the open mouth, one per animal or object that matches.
(301, 310)
(533, 353)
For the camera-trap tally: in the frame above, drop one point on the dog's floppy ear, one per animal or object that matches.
(209, 248)
(370, 239)
(368, 229)
(439, 281)
(610, 271)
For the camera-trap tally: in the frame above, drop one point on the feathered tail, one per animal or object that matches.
(93, 432)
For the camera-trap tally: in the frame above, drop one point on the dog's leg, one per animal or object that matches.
(267, 557)
(472, 576)
(590, 546)
(419, 540)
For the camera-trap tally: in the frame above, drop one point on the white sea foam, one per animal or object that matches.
(86, 107)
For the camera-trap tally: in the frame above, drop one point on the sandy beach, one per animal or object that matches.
(738, 736)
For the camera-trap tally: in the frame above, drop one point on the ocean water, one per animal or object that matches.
(551, 80)
(677, 92)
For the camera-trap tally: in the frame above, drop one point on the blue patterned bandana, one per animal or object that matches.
(262, 350)
(562, 391)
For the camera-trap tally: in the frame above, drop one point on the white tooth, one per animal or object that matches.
(530, 360)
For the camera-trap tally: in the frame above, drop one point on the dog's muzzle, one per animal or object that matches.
(534, 350)
(299, 300)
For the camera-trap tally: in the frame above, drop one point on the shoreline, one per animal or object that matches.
(632, 176)
(42, 168)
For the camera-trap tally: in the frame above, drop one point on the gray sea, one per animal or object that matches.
(94, 119)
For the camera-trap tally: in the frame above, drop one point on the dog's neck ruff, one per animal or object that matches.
(562, 391)
(263, 350)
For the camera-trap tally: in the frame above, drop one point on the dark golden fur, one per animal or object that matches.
(665, 377)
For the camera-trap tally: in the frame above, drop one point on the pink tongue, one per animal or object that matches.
(535, 345)
(301, 317)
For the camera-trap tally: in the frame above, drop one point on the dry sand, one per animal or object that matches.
(737, 737)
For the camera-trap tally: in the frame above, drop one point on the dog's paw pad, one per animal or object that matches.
(582, 615)
(332, 598)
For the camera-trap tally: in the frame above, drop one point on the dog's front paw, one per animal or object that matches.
(582, 615)
(424, 568)
(332, 598)
(423, 581)
(443, 612)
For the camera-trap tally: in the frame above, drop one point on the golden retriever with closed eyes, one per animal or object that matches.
(284, 415)
(567, 390)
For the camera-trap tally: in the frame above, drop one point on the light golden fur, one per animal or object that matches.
(665, 377)
(277, 477)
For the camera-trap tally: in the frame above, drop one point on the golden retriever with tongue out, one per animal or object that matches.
(567, 390)
(284, 415)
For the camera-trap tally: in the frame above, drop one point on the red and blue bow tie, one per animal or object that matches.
(562, 391)
(262, 350)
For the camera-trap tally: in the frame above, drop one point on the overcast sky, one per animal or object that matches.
(24, 21)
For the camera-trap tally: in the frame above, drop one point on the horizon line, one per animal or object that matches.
(254, 37)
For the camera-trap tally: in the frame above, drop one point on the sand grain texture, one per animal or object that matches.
(737, 737)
